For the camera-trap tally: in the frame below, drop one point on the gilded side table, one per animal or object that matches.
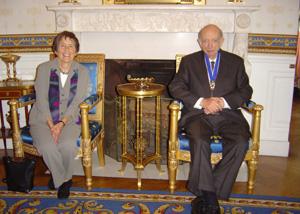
(13, 90)
(139, 91)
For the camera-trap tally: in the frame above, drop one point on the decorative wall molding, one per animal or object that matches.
(272, 43)
(26, 42)
(257, 43)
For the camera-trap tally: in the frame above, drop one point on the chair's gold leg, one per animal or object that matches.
(173, 141)
(100, 152)
(86, 146)
(88, 177)
(172, 168)
(87, 167)
(252, 166)
(87, 163)
(139, 177)
(252, 163)
(16, 136)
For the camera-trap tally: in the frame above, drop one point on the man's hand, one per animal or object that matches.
(212, 105)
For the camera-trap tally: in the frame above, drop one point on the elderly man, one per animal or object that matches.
(213, 85)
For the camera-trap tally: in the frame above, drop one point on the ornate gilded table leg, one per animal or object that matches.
(123, 134)
(158, 134)
(139, 140)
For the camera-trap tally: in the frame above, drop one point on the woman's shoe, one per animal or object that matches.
(51, 184)
(63, 191)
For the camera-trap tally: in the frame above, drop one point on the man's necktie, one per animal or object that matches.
(212, 65)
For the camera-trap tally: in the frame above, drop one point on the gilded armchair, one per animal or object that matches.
(92, 118)
(178, 148)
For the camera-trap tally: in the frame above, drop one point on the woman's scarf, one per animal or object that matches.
(53, 94)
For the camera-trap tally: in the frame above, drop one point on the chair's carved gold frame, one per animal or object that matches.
(175, 154)
(87, 144)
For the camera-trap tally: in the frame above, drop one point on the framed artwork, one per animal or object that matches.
(13, 43)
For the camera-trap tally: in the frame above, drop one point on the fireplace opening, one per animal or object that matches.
(116, 71)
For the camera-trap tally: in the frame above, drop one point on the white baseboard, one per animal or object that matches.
(8, 144)
(280, 149)
(271, 148)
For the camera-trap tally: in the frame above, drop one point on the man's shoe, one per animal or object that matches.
(211, 202)
(213, 209)
(51, 184)
(63, 191)
(198, 205)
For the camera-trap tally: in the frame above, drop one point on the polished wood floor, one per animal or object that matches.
(275, 175)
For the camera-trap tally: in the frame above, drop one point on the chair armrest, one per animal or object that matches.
(251, 106)
(90, 101)
(255, 110)
(174, 108)
(85, 107)
(25, 100)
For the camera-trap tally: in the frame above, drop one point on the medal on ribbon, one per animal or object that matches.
(212, 72)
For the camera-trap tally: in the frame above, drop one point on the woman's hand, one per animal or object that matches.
(56, 131)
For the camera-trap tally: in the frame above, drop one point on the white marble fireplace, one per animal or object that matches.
(152, 31)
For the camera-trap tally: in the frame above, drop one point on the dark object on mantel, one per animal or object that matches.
(116, 73)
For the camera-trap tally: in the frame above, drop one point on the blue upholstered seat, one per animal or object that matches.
(94, 126)
(216, 145)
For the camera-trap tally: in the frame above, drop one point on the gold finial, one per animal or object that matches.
(235, 1)
(140, 82)
(70, 2)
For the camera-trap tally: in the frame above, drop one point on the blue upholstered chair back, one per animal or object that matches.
(95, 64)
(92, 87)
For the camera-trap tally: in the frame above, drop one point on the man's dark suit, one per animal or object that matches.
(232, 83)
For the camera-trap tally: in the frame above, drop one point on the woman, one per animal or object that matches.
(60, 86)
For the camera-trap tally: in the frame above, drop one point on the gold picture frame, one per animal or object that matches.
(193, 2)
(16, 43)
(272, 43)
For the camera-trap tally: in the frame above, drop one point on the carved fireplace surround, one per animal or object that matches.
(102, 25)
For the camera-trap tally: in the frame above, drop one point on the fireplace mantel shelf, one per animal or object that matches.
(157, 7)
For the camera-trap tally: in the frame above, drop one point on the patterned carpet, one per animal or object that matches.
(107, 201)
